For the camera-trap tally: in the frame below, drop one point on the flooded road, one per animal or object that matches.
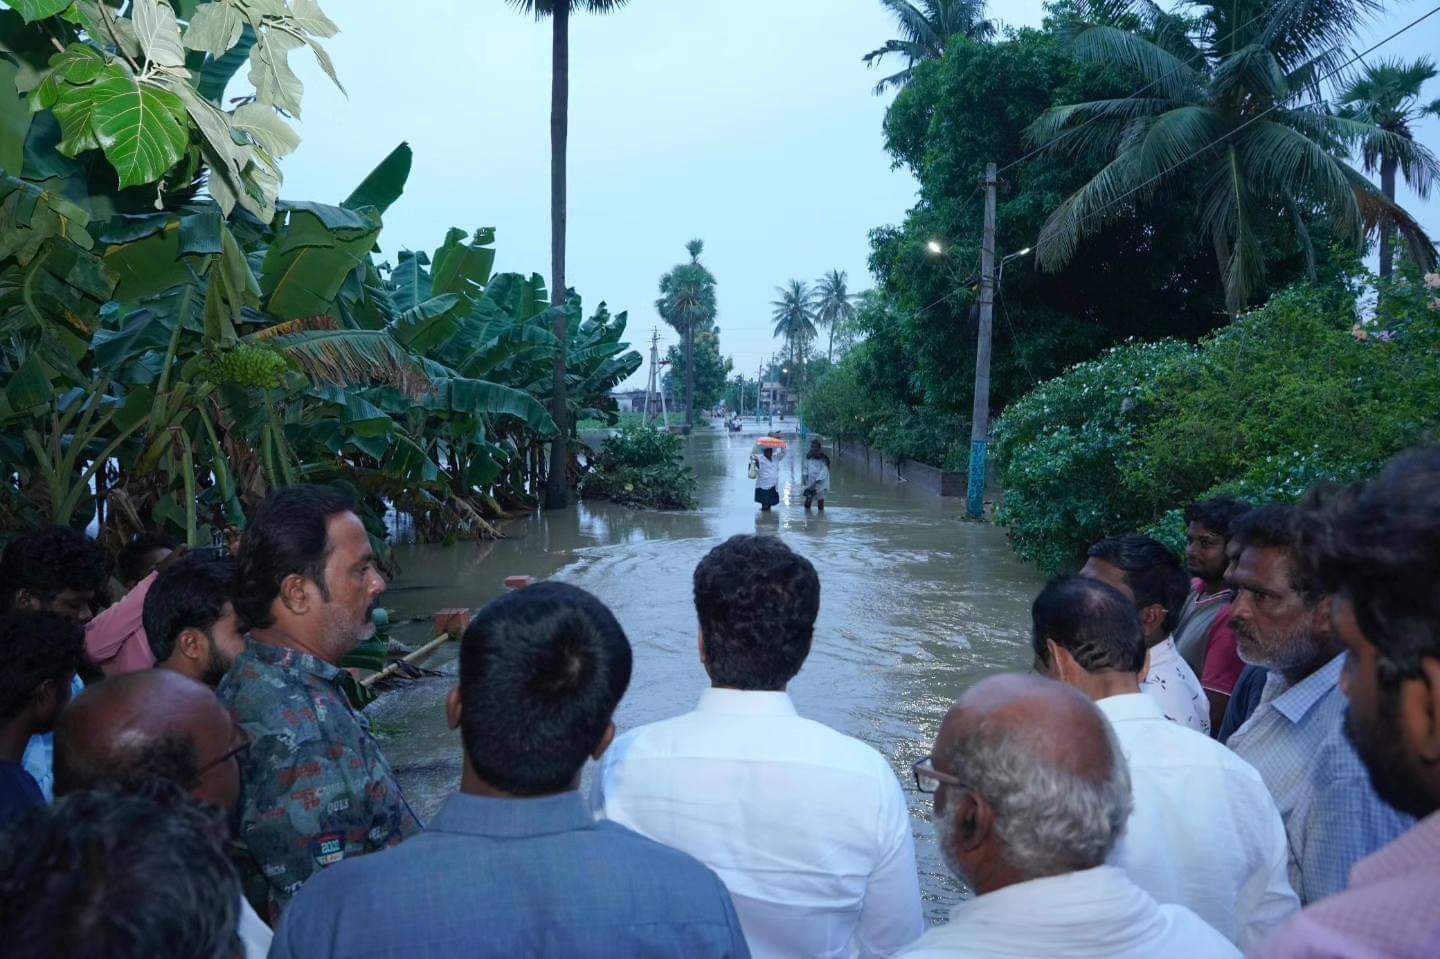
(916, 605)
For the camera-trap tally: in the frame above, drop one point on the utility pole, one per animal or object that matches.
(980, 414)
(654, 367)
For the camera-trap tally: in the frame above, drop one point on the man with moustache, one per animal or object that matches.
(317, 788)
(1294, 739)
(1376, 549)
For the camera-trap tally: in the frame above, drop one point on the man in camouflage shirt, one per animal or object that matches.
(317, 788)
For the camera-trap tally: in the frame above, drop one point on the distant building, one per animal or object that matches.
(774, 397)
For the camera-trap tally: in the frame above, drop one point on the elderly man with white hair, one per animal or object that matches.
(1031, 793)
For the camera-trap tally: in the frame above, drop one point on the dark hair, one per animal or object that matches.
(757, 601)
(1216, 514)
(171, 758)
(131, 561)
(541, 672)
(1091, 620)
(124, 876)
(1152, 572)
(48, 561)
(287, 535)
(1275, 527)
(35, 647)
(191, 594)
(1379, 544)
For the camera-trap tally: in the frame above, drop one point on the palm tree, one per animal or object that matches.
(1387, 95)
(1222, 111)
(687, 302)
(556, 485)
(794, 317)
(833, 305)
(925, 30)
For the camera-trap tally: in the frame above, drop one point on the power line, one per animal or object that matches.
(1257, 118)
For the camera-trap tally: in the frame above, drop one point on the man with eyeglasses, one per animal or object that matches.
(1031, 793)
(158, 724)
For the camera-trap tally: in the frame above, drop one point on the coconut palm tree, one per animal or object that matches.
(556, 489)
(925, 30)
(1232, 107)
(794, 317)
(687, 302)
(833, 305)
(1387, 95)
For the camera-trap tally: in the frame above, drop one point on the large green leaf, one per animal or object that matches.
(214, 28)
(215, 76)
(275, 83)
(426, 325)
(384, 184)
(263, 125)
(410, 283)
(482, 398)
(306, 265)
(33, 10)
(462, 267)
(141, 128)
(150, 265)
(358, 414)
(158, 32)
(29, 386)
(14, 121)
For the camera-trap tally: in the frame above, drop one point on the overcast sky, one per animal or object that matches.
(747, 123)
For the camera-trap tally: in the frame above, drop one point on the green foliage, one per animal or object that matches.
(642, 467)
(711, 369)
(1288, 395)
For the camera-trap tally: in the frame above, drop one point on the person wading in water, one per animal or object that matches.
(766, 467)
(816, 475)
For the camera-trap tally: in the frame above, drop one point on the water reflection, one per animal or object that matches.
(916, 605)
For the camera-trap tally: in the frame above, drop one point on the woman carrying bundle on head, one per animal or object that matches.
(815, 474)
(765, 470)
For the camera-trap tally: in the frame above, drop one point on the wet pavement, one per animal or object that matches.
(916, 605)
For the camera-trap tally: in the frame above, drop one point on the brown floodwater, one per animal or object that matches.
(916, 605)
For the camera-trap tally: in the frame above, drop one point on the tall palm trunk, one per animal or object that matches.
(690, 375)
(1388, 166)
(830, 347)
(557, 483)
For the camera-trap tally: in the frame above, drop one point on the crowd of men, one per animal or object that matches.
(1244, 758)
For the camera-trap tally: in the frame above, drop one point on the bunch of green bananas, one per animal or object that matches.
(253, 367)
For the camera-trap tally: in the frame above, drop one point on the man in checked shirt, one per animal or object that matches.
(317, 788)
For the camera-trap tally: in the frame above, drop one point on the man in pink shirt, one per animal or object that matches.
(1376, 549)
(115, 640)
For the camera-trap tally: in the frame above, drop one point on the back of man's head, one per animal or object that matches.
(38, 566)
(136, 727)
(138, 557)
(40, 653)
(1091, 621)
(757, 601)
(289, 534)
(1047, 763)
(1152, 572)
(1276, 527)
(541, 672)
(1217, 515)
(191, 594)
(118, 876)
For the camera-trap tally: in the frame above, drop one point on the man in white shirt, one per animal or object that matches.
(1150, 576)
(1205, 832)
(807, 827)
(1031, 792)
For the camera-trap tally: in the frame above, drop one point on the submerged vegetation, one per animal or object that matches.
(640, 466)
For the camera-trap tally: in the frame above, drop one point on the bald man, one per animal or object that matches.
(157, 724)
(1031, 793)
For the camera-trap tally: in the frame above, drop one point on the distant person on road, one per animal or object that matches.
(807, 826)
(767, 476)
(816, 475)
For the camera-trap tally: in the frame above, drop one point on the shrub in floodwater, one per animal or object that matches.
(641, 467)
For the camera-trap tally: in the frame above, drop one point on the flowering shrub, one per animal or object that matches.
(1283, 398)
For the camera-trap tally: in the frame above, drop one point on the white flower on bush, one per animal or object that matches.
(1432, 280)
